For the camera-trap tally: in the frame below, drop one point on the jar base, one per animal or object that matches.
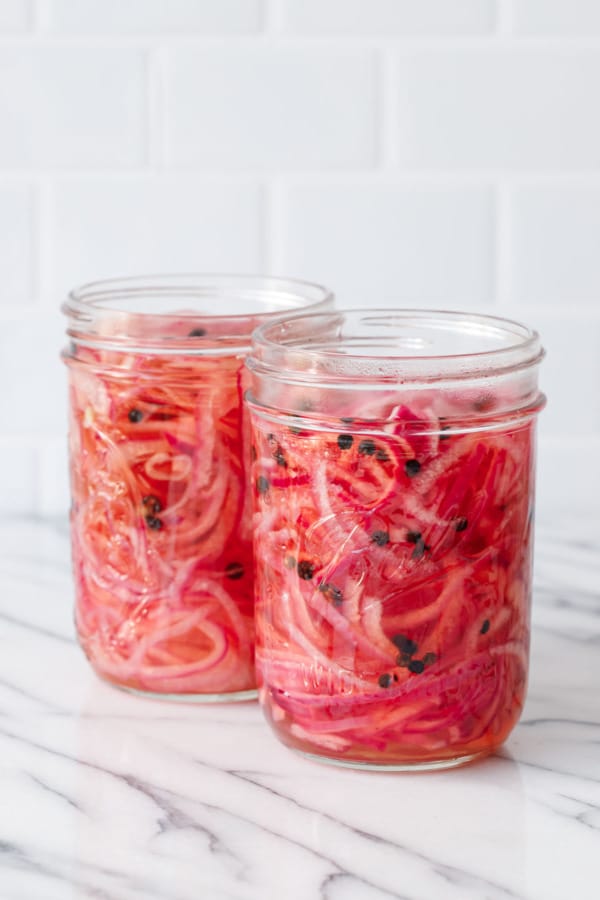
(192, 699)
(432, 765)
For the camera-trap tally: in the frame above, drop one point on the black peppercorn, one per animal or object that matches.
(197, 332)
(135, 416)
(413, 536)
(419, 549)
(234, 570)
(262, 484)
(152, 503)
(306, 569)
(461, 524)
(485, 627)
(345, 441)
(336, 596)
(412, 467)
(404, 644)
(416, 666)
(385, 680)
(381, 538)
(367, 447)
(279, 457)
(154, 523)
(331, 591)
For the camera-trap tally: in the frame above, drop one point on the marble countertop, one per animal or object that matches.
(110, 797)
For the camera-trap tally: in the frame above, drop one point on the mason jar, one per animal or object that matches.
(393, 472)
(159, 453)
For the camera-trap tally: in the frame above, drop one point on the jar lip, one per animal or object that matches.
(140, 308)
(91, 293)
(313, 346)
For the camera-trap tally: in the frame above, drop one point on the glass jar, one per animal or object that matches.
(159, 450)
(394, 455)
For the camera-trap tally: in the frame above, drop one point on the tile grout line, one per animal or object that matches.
(504, 18)
(273, 36)
(271, 17)
(271, 230)
(39, 477)
(386, 143)
(35, 235)
(264, 227)
(39, 15)
(396, 175)
(45, 273)
(503, 261)
(154, 120)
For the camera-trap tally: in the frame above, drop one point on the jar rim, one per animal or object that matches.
(119, 311)
(322, 346)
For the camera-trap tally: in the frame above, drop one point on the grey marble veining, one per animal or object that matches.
(110, 797)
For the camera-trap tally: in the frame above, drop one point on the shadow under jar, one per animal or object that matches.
(394, 458)
(159, 450)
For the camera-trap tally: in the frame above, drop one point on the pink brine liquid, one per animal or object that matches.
(393, 580)
(161, 522)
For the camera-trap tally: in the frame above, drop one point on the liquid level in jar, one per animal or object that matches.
(160, 522)
(393, 580)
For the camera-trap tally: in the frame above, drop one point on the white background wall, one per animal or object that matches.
(423, 152)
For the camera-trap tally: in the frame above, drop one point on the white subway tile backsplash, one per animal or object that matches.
(558, 17)
(18, 478)
(358, 17)
(54, 492)
(33, 395)
(568, 475)
(415, 153)
(106, 227)
(555, 245)
(15, 15)
(16, 245)
(154, 16)
(264, 108)
(386, 243)
(71, 106)
(498, 108)
(563, 484)
(570, 374)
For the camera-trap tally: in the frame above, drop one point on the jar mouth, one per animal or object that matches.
(162, 313)
(397, 345)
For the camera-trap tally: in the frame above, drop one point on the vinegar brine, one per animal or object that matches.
(161, 540)
(161, 509)
(393, 545)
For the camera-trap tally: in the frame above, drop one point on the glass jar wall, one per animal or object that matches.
(159, 451)
(393, 472)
